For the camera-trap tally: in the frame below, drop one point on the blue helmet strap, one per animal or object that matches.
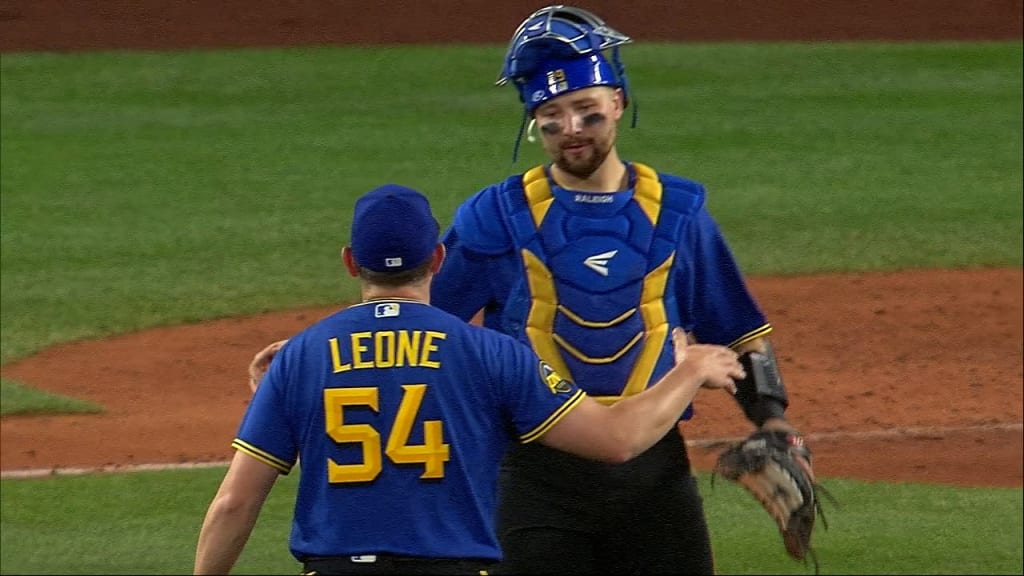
(519, 137)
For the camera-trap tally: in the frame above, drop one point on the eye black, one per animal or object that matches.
(551, 128)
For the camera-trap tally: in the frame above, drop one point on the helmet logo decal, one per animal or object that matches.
(537, 96)
(556, 81)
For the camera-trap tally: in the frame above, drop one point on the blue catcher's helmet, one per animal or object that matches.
(560, 49)
(560, 76)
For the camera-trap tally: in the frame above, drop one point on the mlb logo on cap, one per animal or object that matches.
(393, 262)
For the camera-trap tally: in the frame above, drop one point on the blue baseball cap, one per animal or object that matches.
(393, 229)
(555, 76)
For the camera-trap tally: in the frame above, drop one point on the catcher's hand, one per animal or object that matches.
(775, 466)
(261, 362)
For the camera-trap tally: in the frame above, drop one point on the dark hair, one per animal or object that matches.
(395, 279)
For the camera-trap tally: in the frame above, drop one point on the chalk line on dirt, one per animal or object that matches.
(911, 432)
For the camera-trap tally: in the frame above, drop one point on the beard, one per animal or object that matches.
(582, 166)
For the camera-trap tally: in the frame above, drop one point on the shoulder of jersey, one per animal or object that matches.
(481, 223)
(683, 194)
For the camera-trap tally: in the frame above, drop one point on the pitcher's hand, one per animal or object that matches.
(717, 366)
(261, 362)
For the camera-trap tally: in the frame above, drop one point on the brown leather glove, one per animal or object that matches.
(775, 466)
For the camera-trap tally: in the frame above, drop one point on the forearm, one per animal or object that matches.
(225, 531)
(635, 423)
(640, 421)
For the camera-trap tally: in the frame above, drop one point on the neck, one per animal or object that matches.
(418, 292)
(610, 176)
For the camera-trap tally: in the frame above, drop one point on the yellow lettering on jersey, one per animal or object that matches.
(358, 348)
(335, 399)
(384, 349)
(408, 348)
(390, 349)
(428, 347)
(433, 453)
(336, 357)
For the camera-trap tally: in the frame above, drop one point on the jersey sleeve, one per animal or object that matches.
(264, 433)
(532, 393)
(476, 236)
(460, 287)
(720, 306)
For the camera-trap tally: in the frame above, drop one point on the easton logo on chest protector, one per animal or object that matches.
(599, 262)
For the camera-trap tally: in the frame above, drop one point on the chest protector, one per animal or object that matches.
(599, 278)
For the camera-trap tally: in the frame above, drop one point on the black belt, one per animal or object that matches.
(391, 564)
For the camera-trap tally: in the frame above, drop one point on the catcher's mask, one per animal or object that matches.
(559, 49)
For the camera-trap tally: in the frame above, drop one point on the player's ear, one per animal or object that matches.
(349, 261)
(619, 97)
(437, 259)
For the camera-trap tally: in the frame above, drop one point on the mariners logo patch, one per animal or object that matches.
(554, 381)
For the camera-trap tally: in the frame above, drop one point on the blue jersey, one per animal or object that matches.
(399, 414)
(595, 282)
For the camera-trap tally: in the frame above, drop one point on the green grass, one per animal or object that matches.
(144, 189)
(138, 523)
(148, 522)
(18, 398)
(878, 528)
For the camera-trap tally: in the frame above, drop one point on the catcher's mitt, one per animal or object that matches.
(775, 467)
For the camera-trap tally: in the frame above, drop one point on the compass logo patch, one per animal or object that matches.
(554, 381)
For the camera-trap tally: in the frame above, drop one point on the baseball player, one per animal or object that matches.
(593, 260)
(398, 414)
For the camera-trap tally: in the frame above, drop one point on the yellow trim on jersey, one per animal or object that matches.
(538, 193)
(553, 419)
(762, 331)
(599, 359)
(652, 310)
(540, 323)
(647, 191)
(262, 456)
(593, 324)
